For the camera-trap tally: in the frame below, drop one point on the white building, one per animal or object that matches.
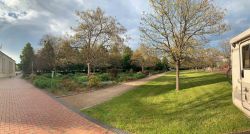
(7, 66)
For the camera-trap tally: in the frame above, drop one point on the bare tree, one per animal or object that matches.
(226, 52)
(174, 24)
(96, 29)
(46, 56)
(144, 57)
(65, 53)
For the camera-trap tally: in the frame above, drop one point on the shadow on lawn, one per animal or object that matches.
(201, 108)
(185, 83)
(194, 113)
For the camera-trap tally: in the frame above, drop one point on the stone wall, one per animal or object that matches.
(7, 66)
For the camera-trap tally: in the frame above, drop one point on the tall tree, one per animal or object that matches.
(27, 59)
(95, 28)
(175, 24)
(47, 54)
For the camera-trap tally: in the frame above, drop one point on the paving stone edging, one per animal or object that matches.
(77, 111)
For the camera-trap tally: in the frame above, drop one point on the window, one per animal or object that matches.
(246, 56)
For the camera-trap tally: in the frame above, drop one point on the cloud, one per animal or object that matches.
(23, 21)
(236, 16)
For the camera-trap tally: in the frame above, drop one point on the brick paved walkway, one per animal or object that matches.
(25, 109)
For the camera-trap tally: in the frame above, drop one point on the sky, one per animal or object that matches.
(23, 21)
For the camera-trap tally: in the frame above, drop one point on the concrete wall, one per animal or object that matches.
(7, 66)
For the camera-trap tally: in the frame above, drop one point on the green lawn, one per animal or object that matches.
(202, 106)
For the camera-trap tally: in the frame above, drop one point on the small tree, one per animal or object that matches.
(144, 57)
(165, 63)
(27, 59)
(175, 24)
(126, 58)
(115, 57)
(226, 52)
(66, 55)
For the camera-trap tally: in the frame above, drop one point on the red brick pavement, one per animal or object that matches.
(25, 109)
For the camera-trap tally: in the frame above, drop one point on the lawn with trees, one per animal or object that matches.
(203, 105)
(179, 27)
(96, 56)
(174, 37)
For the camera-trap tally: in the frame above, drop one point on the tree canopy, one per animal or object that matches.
(175, 26)
(27, 59)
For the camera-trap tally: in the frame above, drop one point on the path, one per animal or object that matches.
(86, 100)
(25, 109)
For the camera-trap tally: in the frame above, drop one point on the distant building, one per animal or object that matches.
(7, 66)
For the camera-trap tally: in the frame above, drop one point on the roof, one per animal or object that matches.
(244, 35)
(6, 56)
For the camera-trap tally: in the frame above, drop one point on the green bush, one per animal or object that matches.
(93, 81)
(122, 77)
(81, 79)
(113, 73)
(104, 77)
(130, 76)
(139, 75)
(44, 82)
(47, 75)
(69, 85)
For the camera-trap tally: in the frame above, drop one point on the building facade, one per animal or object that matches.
(7, 66)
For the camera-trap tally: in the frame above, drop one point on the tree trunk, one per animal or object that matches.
(89, 69)
(142, 68)
(177, 76)
(229, 68)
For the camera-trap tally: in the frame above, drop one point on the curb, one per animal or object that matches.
(77, 111)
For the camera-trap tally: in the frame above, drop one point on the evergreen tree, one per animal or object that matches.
(126, 59)
(48, 56)
(27, 58)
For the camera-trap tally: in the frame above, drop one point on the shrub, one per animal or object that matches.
(130, 76)
(47, 75)
(58, 75)
(113, 72)
(146, 72)
(104, 77)
(44, 82)
(122, 77)
(69, 85)
(139, 75)
(93, 81)
(81, 79)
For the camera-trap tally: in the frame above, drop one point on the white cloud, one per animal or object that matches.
(59, 27)
(12, 3)
(29, 20)
(13, 10)
(30, 14)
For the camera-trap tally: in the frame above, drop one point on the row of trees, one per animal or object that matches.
(176, 29)
(57, 54)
